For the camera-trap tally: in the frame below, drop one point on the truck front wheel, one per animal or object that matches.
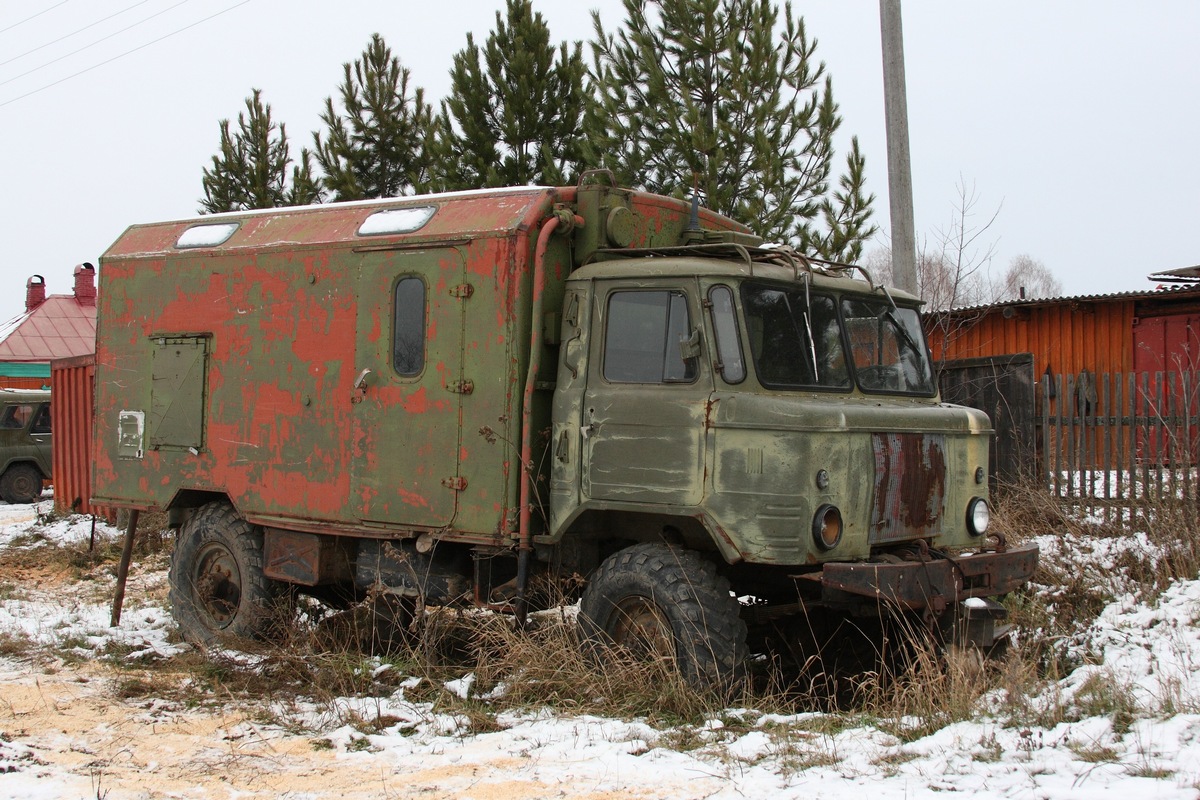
(655, 601)
(218, 589)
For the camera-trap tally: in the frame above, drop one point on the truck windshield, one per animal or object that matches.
(888, 347)
(795, 338)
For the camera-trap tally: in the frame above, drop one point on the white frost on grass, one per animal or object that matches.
(30, 525)
(1150, 652)
(66, 623)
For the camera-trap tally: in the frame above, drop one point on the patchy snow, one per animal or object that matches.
(66, 732)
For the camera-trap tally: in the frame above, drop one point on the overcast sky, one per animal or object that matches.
(1076, 121)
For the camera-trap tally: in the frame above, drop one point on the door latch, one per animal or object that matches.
(360, 387)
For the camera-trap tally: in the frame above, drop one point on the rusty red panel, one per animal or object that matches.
(71, 391)
(910, 485)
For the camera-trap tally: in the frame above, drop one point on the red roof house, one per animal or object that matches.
(58, 326)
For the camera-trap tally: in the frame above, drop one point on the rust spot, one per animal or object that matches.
(911, 487)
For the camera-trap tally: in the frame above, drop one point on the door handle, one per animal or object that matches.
(360, 387)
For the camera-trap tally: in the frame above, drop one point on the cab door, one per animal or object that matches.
(647, 394)
(408, 387)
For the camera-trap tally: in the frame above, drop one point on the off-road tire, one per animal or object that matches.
(21, 483)
(641, 594)
(218, 590)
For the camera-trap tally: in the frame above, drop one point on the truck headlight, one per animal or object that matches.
(827, 527)
(978, 516)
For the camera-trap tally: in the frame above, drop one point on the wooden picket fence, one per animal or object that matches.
(1115, 445)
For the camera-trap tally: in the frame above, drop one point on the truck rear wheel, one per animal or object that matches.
(21, 483)
(657, 601)
(218, 589)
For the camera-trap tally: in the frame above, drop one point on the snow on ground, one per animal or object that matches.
(65, 732)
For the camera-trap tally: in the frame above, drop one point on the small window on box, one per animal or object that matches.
(208, 235)
(408, 333)
(396, 220)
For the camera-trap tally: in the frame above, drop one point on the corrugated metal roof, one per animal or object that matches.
(60, 327)
(1160, 291)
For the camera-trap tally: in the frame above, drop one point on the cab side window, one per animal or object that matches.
(41, 422)
(643, 337)
(15, 416)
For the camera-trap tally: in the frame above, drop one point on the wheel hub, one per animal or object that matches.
(641, 626)
(218, 584)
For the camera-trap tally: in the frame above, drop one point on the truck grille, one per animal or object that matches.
(910, 485)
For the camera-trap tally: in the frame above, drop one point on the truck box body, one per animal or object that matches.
(231, 369)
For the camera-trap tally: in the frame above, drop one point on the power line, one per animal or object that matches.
(122, 55)
(93, 44)
(35, 16)
(75, 32)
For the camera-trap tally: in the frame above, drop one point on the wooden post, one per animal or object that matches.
(895, 105)
(123, 567)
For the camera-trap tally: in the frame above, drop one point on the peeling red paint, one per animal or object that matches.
(417, 403)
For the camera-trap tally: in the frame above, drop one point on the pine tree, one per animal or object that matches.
(715, 92)
(514, 117)
(847, 215)
(251, 169)
(379, 145)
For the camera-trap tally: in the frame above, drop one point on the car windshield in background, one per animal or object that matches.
(795, 338)
(888, 347)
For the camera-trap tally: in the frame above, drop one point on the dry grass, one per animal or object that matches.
(541, 665)
(912, 687)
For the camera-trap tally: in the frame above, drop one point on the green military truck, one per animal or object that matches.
(24, 444)
(454, 398)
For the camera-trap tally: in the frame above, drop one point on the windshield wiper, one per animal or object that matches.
(890, 313)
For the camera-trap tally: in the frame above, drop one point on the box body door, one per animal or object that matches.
(409, 387)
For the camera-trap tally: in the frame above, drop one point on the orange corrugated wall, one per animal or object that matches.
(71, 393)
(1067, 337)
(23, 383)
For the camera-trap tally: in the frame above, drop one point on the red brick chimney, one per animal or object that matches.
(85, 284)
(35, 292)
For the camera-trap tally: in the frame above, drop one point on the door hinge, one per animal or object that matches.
(456, 484)
(463, 290)
(461, 387)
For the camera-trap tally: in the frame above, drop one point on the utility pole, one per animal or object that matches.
(895, 103)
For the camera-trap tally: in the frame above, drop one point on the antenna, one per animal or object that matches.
(694, 219)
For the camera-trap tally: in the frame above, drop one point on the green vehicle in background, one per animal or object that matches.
(24, 444)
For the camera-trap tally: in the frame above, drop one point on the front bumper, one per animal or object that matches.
(933, 583)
